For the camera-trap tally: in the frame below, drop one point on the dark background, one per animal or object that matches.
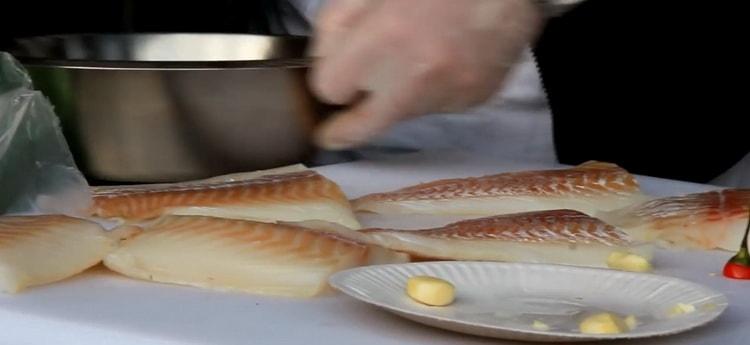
(28, 18)
(655, 86)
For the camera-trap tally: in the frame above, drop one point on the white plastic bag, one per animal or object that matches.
(37, 171)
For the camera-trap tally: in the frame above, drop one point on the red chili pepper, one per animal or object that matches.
(738, 267)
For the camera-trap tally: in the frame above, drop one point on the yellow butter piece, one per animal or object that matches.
(631, 321)
(628, 262)
(709, 307)
(430, 290)
(681, 308)
(540, 326)
(603, 323)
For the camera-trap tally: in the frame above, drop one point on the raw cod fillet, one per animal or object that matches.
(589, 187)
(711, 220)
(37, 250)
(287, 194)
(241, 255)
(556, 237)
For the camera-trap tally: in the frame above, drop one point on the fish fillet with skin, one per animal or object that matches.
(589, 187)
(241, 255)
(37, 250)
(555, 237)
(710, 220)
(290, 194)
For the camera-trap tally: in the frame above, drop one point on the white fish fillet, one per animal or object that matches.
(556, 237)
(37, 250)
(590, 187)
(289, 194)
(711, 220)
(239, 255)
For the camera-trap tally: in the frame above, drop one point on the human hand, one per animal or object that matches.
(396, 59)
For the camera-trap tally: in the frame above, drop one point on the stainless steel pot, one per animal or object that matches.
(168, 107)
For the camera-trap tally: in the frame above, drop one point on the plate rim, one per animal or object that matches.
(335, 281)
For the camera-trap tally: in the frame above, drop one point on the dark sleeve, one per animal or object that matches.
(654, 86)
(31, 18)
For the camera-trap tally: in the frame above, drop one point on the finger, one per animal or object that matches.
(339, 77)
(351, 128)
(371, 117)
(334, 22)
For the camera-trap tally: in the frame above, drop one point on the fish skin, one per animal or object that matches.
(588, 181)
(240, 255)
(708, 220)
(38, 250)
(707, 206)
(313, 193)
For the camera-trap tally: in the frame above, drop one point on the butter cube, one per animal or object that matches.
(540, 326)
(631, 321)
(430, 290)
(628, 262)
(603, 323)
(681, 308)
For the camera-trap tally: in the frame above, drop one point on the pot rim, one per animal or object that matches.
(79, 51)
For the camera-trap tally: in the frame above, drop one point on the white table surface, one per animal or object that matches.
(99, 307)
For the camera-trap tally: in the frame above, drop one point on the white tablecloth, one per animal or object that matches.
(102, 308)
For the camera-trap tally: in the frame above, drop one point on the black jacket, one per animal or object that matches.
(655, 86)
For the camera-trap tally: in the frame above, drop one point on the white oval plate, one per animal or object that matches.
(502, 300)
